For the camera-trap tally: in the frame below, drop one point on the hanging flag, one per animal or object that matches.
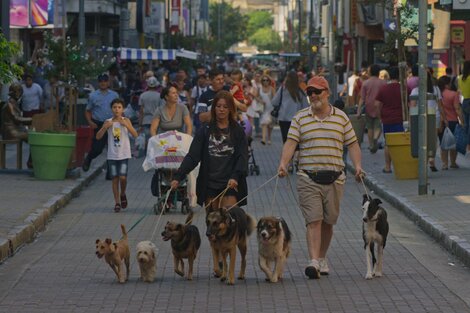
(19, 15)
(38, 12)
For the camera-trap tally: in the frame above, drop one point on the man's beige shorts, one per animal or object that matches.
(319, 202)
(373, 122)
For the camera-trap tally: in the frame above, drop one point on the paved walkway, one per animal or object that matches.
(60, 272)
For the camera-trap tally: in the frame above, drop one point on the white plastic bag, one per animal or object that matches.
(448, 140)
(139, 146)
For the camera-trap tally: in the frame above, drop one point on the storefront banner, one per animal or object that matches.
(19, 13)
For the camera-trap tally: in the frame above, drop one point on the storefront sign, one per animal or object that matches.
(457, 34)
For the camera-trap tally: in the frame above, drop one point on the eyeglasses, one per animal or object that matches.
(265, 80)
(316, 91)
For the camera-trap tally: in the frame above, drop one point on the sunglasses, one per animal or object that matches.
(316, 91)
(265, 80)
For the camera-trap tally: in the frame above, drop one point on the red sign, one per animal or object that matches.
(175, 16)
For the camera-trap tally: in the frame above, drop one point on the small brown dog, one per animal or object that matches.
(185, 243)
(146, 257)
(228, 229)
(114, 253)
(274, 240)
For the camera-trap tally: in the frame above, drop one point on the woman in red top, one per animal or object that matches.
(453, 115)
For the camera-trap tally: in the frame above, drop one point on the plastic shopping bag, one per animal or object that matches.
(448, 140)
(139, 146)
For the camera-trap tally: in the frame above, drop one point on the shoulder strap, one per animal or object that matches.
(280, 100)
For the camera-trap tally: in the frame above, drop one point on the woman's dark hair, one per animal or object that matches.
(166, 91)
(292, 85)
(374, 70)
(443, 82)
(430, 83)
(393, 72)
(118, 100)
(232, 117)
(466, 70)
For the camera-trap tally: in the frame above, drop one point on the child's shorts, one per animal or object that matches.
(117, 168)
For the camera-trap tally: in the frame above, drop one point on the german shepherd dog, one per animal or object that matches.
(185, 243)
(274, 240)
(374, 230)
(228, 229)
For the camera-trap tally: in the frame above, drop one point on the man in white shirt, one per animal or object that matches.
(32, 101)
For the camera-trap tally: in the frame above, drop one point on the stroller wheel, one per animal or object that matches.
(251, 169)
(257, 170)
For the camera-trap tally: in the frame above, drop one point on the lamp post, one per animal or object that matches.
(422, 101)
(300, 26)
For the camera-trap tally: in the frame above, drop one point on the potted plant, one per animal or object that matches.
(56, 147)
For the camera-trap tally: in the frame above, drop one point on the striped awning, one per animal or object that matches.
(147, 54)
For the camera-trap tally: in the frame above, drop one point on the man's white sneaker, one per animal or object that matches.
(313, 270)
(323, 264)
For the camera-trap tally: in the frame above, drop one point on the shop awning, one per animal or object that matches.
(147, 54)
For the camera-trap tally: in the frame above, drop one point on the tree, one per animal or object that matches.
(258, 20)
(227, 25)
(8, 69)
(266, 39)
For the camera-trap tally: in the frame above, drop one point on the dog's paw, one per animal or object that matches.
(241, 277)
(179, 273)
(369, 276)
(274, 279)
(189, 278)
(230, 282)
(378, 274)
(217, 274)
(223, 278)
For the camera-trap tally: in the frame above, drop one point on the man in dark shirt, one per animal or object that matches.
(216, 78)
(388, 102)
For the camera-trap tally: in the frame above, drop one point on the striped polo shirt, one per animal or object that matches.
(321, 141)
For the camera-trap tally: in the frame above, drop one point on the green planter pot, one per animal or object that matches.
(51, 154)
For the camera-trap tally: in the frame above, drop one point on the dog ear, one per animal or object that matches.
(378, 201)
(97, 241)
(108, 241)
(364, 198)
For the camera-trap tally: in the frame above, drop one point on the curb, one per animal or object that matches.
(460, 247)
(37, 221)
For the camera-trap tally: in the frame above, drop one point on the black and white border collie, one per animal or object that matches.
(374, 230)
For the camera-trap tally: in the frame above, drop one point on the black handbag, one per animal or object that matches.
(275, 111)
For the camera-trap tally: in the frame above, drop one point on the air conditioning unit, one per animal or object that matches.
(461, 5)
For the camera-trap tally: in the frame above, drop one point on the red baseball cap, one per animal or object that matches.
(318, 82)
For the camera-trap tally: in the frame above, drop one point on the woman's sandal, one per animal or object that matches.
(117, 207)
(123, 201)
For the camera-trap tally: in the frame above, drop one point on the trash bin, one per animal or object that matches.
(83, 145)
(431, 132)
(359, 125)
(404, 165)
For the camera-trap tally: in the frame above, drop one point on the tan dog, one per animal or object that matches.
(146, 257)
(228, 229)
(274, 240)
(114, 253)
(185, 243)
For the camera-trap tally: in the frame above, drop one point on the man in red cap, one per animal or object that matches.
(321, 131)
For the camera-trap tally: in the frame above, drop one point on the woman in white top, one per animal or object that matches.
(264, 96)
(434, 105)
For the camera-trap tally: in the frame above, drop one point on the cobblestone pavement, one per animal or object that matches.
(59, 272)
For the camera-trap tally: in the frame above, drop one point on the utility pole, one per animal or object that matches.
(422, 103)
(5, 29)
(310, 36)
(331, 53)
(300, 27)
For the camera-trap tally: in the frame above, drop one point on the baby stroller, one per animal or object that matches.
(253, 168)
(165, 152)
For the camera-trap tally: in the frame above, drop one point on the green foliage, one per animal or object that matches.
(409, 30)
(232, 25)
(67, 62)
(266, 39)
(258, 20)
(8, 69)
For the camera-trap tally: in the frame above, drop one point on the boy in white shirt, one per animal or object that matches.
(119, 150)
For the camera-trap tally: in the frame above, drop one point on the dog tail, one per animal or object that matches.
(124, 232)
(250, 223)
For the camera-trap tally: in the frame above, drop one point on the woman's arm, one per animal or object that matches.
(154, 126)
(189, 124)
(241, 155)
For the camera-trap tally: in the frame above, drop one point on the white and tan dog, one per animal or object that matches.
(146, 257)
(274, 240)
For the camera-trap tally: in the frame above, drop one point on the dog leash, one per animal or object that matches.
(265, 183)
(161, 214)
(275, 191)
